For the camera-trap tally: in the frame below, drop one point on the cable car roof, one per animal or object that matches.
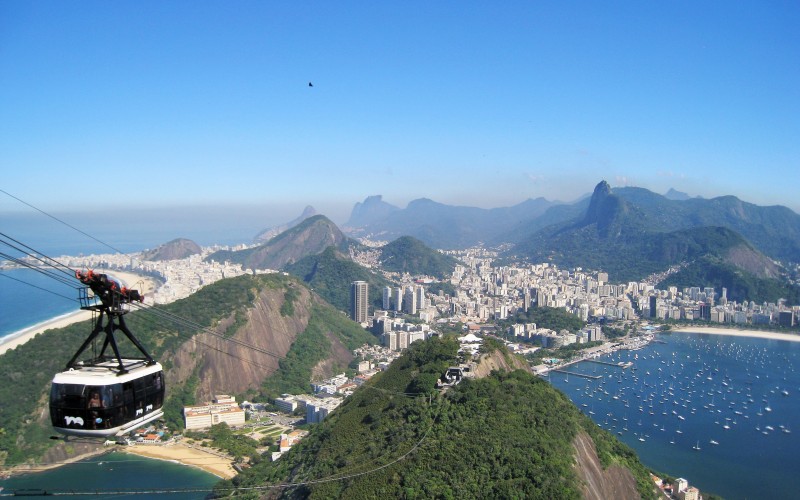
(105, 373)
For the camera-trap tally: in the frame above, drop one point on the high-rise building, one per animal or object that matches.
(653, 303)
(398, 299)
(409, 304)
(387, 298)
(359, 301)
(419, 297)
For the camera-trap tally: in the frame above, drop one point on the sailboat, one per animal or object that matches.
(697, 446)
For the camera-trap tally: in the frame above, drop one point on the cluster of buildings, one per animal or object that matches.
(182, 277)
(485, 293)
(679, 489)
(551, 339)
(704, 304)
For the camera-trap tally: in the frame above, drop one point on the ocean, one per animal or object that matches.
(117, 474)
(29, 297)
(719, 411)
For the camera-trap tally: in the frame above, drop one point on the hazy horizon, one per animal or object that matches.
(147, 104)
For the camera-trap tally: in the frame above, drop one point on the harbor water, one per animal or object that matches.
(720, 411)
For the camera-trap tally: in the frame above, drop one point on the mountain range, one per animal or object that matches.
(631, 233)
(773, 230)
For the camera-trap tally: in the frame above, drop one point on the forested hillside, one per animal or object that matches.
(410, 255)
(330, 274)
(507, 435)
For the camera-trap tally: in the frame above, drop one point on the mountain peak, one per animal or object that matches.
(372, 209)
(269, 233)
(673, 194)
(605, 208)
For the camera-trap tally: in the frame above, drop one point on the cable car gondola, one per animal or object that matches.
(106, 395)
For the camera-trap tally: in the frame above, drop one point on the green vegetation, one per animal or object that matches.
(409, 255)
(553, 318)
(330, 274)
(234, 444)
(287, 308)
(450, 446)
(611, 332)
(445, 287)
(311, 347)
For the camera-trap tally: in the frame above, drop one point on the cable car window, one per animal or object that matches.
(68, 395)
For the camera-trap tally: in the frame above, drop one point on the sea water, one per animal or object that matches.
(127, 476)
(720, 411)
(28, 297)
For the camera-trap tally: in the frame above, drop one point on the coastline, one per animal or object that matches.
(18, 338)
(186, 455)
(735, 332)
(145, 284)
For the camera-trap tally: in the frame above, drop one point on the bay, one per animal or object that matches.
(736, 399)
(134, 476)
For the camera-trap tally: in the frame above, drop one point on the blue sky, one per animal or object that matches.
(158, 104)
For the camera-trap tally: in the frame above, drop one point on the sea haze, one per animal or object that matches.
(135, 229)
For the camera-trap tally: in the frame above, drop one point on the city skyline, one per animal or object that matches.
(156, 106)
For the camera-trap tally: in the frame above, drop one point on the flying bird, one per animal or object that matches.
(310, 84)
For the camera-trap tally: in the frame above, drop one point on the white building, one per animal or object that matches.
(222, 409)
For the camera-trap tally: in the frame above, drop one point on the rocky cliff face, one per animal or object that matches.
(599, 483)
(227, 368)
(498, 361)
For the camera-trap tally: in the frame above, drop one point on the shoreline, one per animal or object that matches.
(19, 337)
(16, 339)
(735, 332)
(185, 455)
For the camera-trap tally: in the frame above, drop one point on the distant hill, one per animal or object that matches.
(179, 248)
(371, 210)
(310, 237)
(439, 225)
(617, 235)
(409, 255)
(269, 233)
(505, 434)
(330, 274)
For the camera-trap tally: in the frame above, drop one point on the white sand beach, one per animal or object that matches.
(195, 456)
(144, 284)
(735, 332)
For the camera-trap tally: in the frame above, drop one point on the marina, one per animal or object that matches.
(691, 403)
(582, 375)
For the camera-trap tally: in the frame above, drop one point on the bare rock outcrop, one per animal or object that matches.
(496, 360)
(226, 367)
(598, 483)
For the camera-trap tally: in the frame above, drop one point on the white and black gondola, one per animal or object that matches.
(107, 394)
